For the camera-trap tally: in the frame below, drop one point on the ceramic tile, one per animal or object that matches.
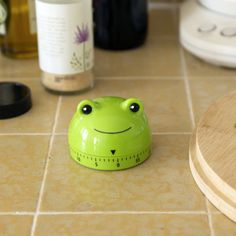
(205, 92)
(165, 102)
(162, 183)
(131, 225)
(16, 68)
(15, 225)
(22, 162)
(223, 225)
(197, 67)
(157, 57)
(159, 29)
(212, 208)
(39, 118)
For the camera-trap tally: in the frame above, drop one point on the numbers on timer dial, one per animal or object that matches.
(115, 162)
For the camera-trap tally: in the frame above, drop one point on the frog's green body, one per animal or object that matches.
(110, 133)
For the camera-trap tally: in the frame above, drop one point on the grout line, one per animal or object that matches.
(65, 133)
(166, 37)
(175, 19)
(186, 84)
(29, 213)
(216, 213)
(187, 88)
(171, 133)
(219, 78)
(24, 134)
(153, 133)
(209, 216)
(33, 227)
(139, 77)
(61, 133)
(125, 212)
(17, 213)
(190, 105)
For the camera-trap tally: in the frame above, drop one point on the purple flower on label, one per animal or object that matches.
(81, 37)
(82, 34)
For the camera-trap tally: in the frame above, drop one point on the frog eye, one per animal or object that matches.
(134, 107)
(132, 104)
(86, 109)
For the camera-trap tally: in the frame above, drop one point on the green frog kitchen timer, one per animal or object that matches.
(110, 133)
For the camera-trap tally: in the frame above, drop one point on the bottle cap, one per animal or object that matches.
(15, 99)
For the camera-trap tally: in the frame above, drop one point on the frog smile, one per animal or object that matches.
(118, 132)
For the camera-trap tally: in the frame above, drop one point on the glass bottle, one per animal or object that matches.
(65, 41)
(120, 24)
(19, 34)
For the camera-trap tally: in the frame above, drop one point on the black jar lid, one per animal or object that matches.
(15, 99)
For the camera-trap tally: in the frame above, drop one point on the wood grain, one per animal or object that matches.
(216, 144)
(213, 154)
(214, 195)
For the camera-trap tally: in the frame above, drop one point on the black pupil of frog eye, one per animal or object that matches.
(134, 107)
(87, 109)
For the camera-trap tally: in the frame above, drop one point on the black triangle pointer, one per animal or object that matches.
(113, 152)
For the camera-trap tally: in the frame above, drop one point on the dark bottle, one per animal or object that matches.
(120, 24)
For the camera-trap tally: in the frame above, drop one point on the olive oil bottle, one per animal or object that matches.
(19, 38)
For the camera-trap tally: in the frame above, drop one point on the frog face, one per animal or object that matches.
(109, 127)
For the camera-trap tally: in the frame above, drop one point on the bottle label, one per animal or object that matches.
(32, 16)
(65, 37)
(3, 17)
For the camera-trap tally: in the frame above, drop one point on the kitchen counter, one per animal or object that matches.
(44, 192)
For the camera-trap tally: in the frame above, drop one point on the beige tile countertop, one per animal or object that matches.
(44, 193)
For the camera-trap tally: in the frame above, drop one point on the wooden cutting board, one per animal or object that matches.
(213, 154)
